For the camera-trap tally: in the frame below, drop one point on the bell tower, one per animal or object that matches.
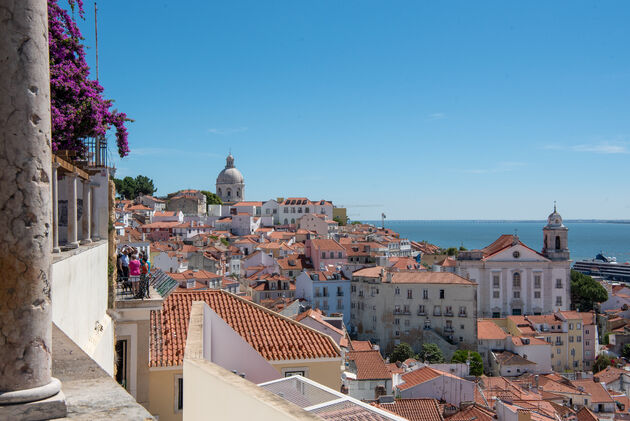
(555, 237)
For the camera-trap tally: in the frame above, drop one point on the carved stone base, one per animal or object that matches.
(45, 409)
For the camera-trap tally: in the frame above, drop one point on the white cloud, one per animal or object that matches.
(599, 148)
(436, 116)
(226, 131)
(500, 167)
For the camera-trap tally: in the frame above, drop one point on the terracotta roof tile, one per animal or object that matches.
(488, 330)
(423, 409)
(473, 413)
(370, 365)
(274, 336)
(422, 375)
(361, 345)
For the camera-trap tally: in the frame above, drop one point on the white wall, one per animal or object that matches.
(79, 303)
(445, 388)
(225, 347)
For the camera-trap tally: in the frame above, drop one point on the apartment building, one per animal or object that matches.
(573, 337)
(389, 307)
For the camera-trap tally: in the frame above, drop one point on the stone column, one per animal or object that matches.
(25, 213)
(72, 211)
(94, 214)
(87, 212)
(55, 208)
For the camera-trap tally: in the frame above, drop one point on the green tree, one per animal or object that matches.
(601, 363)
(431, 353)
(356, 223)
(476, 363)
(585, 291)
(130, 188)
(625, 352)
(451, 251)
(211, 198)
(401, 352)
(340, 220)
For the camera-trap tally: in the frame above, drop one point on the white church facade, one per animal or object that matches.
(514, 279)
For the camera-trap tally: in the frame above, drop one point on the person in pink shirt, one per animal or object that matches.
(134, 273)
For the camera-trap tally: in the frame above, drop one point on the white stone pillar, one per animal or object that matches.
(55, 208)
(25, 215)
(87, 213)
(94, 214)
(72, 211)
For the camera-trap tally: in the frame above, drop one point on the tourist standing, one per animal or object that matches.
(134, 273)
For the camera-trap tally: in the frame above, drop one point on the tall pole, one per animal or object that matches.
(96, 37)
(26, 211)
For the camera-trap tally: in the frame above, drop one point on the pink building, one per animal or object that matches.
(325, 252)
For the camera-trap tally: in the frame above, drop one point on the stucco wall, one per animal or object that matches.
(214, 393)
(79, 302)
(162, 393)
(327, 373)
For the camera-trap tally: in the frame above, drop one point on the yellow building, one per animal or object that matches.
(565, 331)
(258, 344)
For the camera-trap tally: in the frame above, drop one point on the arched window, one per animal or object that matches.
(286, 221)
(516, 280)
(219, 192)
(558, 242)
(293, 220)
(545, 242)
(238, 193)
(229, 193)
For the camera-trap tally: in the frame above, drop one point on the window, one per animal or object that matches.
(292, 372)
(397, 322)
(579, 326)
(448, 311)
(339, 255)
(462, 311)
(406, 308)
(559, 300)
(586, 331)
(558, 283)
(180, 393)
(517, 294)
(537, 281)
(578, 338)
(397, 333)
(292, 210)
(571, 339)
(587, 343)
(406, 322)
(516, 280)
(536, 294)
(441, 294)
(332, 255)
(421, 309)
(323, 255)
(496, 281)
(409, 294)
(286, 210)
(496, 314)
(496, 294)
(397, 291)
(570, 326)
(353, 288)
(437, 311)
(374, 319)
(425, 294)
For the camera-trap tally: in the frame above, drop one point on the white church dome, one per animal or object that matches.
(230, 175)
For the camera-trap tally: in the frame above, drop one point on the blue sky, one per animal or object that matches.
(421, 110)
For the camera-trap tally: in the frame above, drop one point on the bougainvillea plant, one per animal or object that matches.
(78, 108)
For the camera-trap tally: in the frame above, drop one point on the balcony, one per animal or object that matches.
(339, 293)
(448, 329)
(402, 312)
(448, 313)
(462, 314)
(559, 343)
(422, 313)
(437, 313)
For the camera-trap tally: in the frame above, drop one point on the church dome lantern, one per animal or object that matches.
(555, 237)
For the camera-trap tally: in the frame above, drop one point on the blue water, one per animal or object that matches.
(586, 239)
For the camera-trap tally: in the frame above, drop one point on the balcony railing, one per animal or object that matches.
(462, 314)
(339, 293)
(448, 329)
(402, 312)
(422, 313)
(437, 313)
(448, 313)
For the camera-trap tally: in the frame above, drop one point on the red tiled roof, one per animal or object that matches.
(370, 365)
(586, 414)
(423, 409)
(487, 329)
(473, 413)
(414, 277)
(325, 244)
(598, 393)
(503, 242)
(361, 345)
(274, 336)
(422, 375)
(610, 374)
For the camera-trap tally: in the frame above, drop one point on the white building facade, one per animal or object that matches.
(514, 279)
